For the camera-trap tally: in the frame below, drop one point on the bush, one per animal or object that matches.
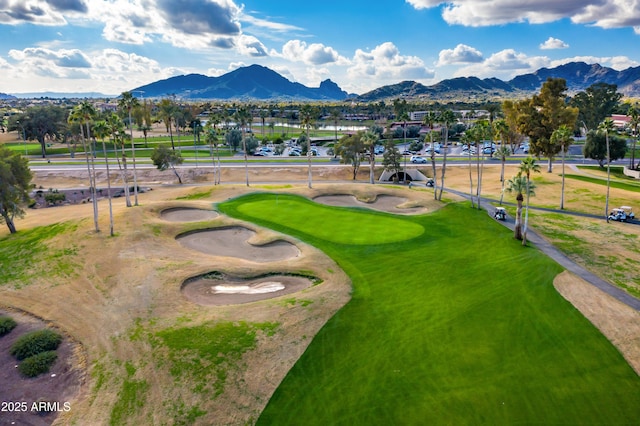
(34, 343)
(6, 325)
(37, 364)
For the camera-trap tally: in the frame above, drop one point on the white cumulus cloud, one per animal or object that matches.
(477, 13)
(311, 54)
(553, 43)
(385, 65)
(461, 54)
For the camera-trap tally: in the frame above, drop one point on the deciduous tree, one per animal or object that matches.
(15, 182)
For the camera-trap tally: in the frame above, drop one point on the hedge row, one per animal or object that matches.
(37, 364)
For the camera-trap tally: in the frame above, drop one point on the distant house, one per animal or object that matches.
(620, 121)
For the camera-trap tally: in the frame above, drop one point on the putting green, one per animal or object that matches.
(345, 227)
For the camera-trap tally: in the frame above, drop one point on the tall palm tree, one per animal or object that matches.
(447, 118)
(166, 113)
(242, 117)
(607, 127)
(83, 113)
(468, 139)
(127, 102)
(480, 132)
(116, 126)
(429, 119)
(101, 130)
(519, 185)
(562, 136)
(501, 129)
(335, 115)
(306, 121)
(212, 139)
(263, 117)
(369, 140)
(527, 166)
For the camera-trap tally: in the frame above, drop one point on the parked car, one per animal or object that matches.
(379, 149)
(417, 159)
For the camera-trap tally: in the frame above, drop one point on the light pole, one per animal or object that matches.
(24, 137)
(133, 150)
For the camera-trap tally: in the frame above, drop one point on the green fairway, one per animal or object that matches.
(451, 321)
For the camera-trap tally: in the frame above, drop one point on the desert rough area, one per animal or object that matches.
(123, 291)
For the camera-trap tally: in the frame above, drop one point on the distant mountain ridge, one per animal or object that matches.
(256, 82)
(579, 76)
(252, 82)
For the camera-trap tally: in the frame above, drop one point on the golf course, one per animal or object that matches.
(347, 303)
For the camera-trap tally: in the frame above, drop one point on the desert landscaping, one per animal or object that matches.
(176, 262)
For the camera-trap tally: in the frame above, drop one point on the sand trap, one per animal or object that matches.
(233, 242)
(185, 214)
(222, 289)
(386, 203)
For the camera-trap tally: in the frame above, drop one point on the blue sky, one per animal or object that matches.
(110, 46)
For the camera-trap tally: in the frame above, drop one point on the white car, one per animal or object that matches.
(417, 159)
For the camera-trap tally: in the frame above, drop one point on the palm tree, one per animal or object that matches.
(430, 119)
(468, 139)
(306, 121)
(166, 113)
(242, 117)
(212, 139)
(128, 102)
(263, 117)
(519, 185)
(528, 166)
(447, 117)
(335, 115)
(369, 140)
(83, 113)
(607, 127)
(501, 129)
(116, 126)
(101, 130)
(502, 153)
(564, 137)
(479, 132)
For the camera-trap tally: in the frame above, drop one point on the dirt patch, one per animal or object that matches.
(386, 203)
(235, 242)
(617, 321)
(184, 214)
(223, 289)
(59, 386)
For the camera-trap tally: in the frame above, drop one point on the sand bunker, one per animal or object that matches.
(233, 242)
(219, 289)
(386, 203)
(185, 214)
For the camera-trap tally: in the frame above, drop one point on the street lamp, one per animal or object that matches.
(24, 136)
(195, 148)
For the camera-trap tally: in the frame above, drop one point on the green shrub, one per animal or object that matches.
(37, 364)
(34, 343)
(6, 325)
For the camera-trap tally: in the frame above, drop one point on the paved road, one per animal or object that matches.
(559, 257)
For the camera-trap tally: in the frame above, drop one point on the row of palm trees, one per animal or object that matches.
(112, 127)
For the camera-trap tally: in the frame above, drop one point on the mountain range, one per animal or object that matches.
(260, 83)
(256, 82)
(246, 83)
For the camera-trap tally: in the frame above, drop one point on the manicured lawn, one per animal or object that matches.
(456, 325)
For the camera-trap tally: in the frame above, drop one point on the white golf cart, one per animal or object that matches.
(500, 213)
(622, 214)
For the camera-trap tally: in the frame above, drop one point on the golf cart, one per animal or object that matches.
(500, 213)
(622, 214)
(629, 212)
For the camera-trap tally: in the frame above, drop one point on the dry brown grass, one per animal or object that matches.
(130, 284)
